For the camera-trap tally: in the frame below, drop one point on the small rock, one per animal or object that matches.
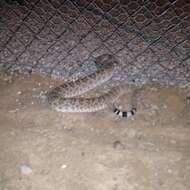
(19, 92)
(25, 169)
(15, 110)
(118, 145)
(63, 166)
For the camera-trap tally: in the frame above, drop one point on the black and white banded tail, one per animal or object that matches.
(125, 113)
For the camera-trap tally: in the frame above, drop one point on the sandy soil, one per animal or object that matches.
(44, 150)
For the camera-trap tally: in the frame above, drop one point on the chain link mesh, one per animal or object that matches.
(150, 39)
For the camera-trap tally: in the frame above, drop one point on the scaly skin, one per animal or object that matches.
(62, 99)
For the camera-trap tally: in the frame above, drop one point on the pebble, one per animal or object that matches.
(63, 166)
(165, 106)
(19, 92)
(118, 145)
(154, 107)
(14, 110)
(25, 169)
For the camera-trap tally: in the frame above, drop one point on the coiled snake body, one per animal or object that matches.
(63, 98)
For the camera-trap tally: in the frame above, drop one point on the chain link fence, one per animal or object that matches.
(59, 38)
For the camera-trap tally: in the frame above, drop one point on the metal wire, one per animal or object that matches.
(132, 29)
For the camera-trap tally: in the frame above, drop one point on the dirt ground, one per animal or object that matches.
(44, 150)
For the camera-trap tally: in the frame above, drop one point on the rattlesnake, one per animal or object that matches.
(63, 98)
